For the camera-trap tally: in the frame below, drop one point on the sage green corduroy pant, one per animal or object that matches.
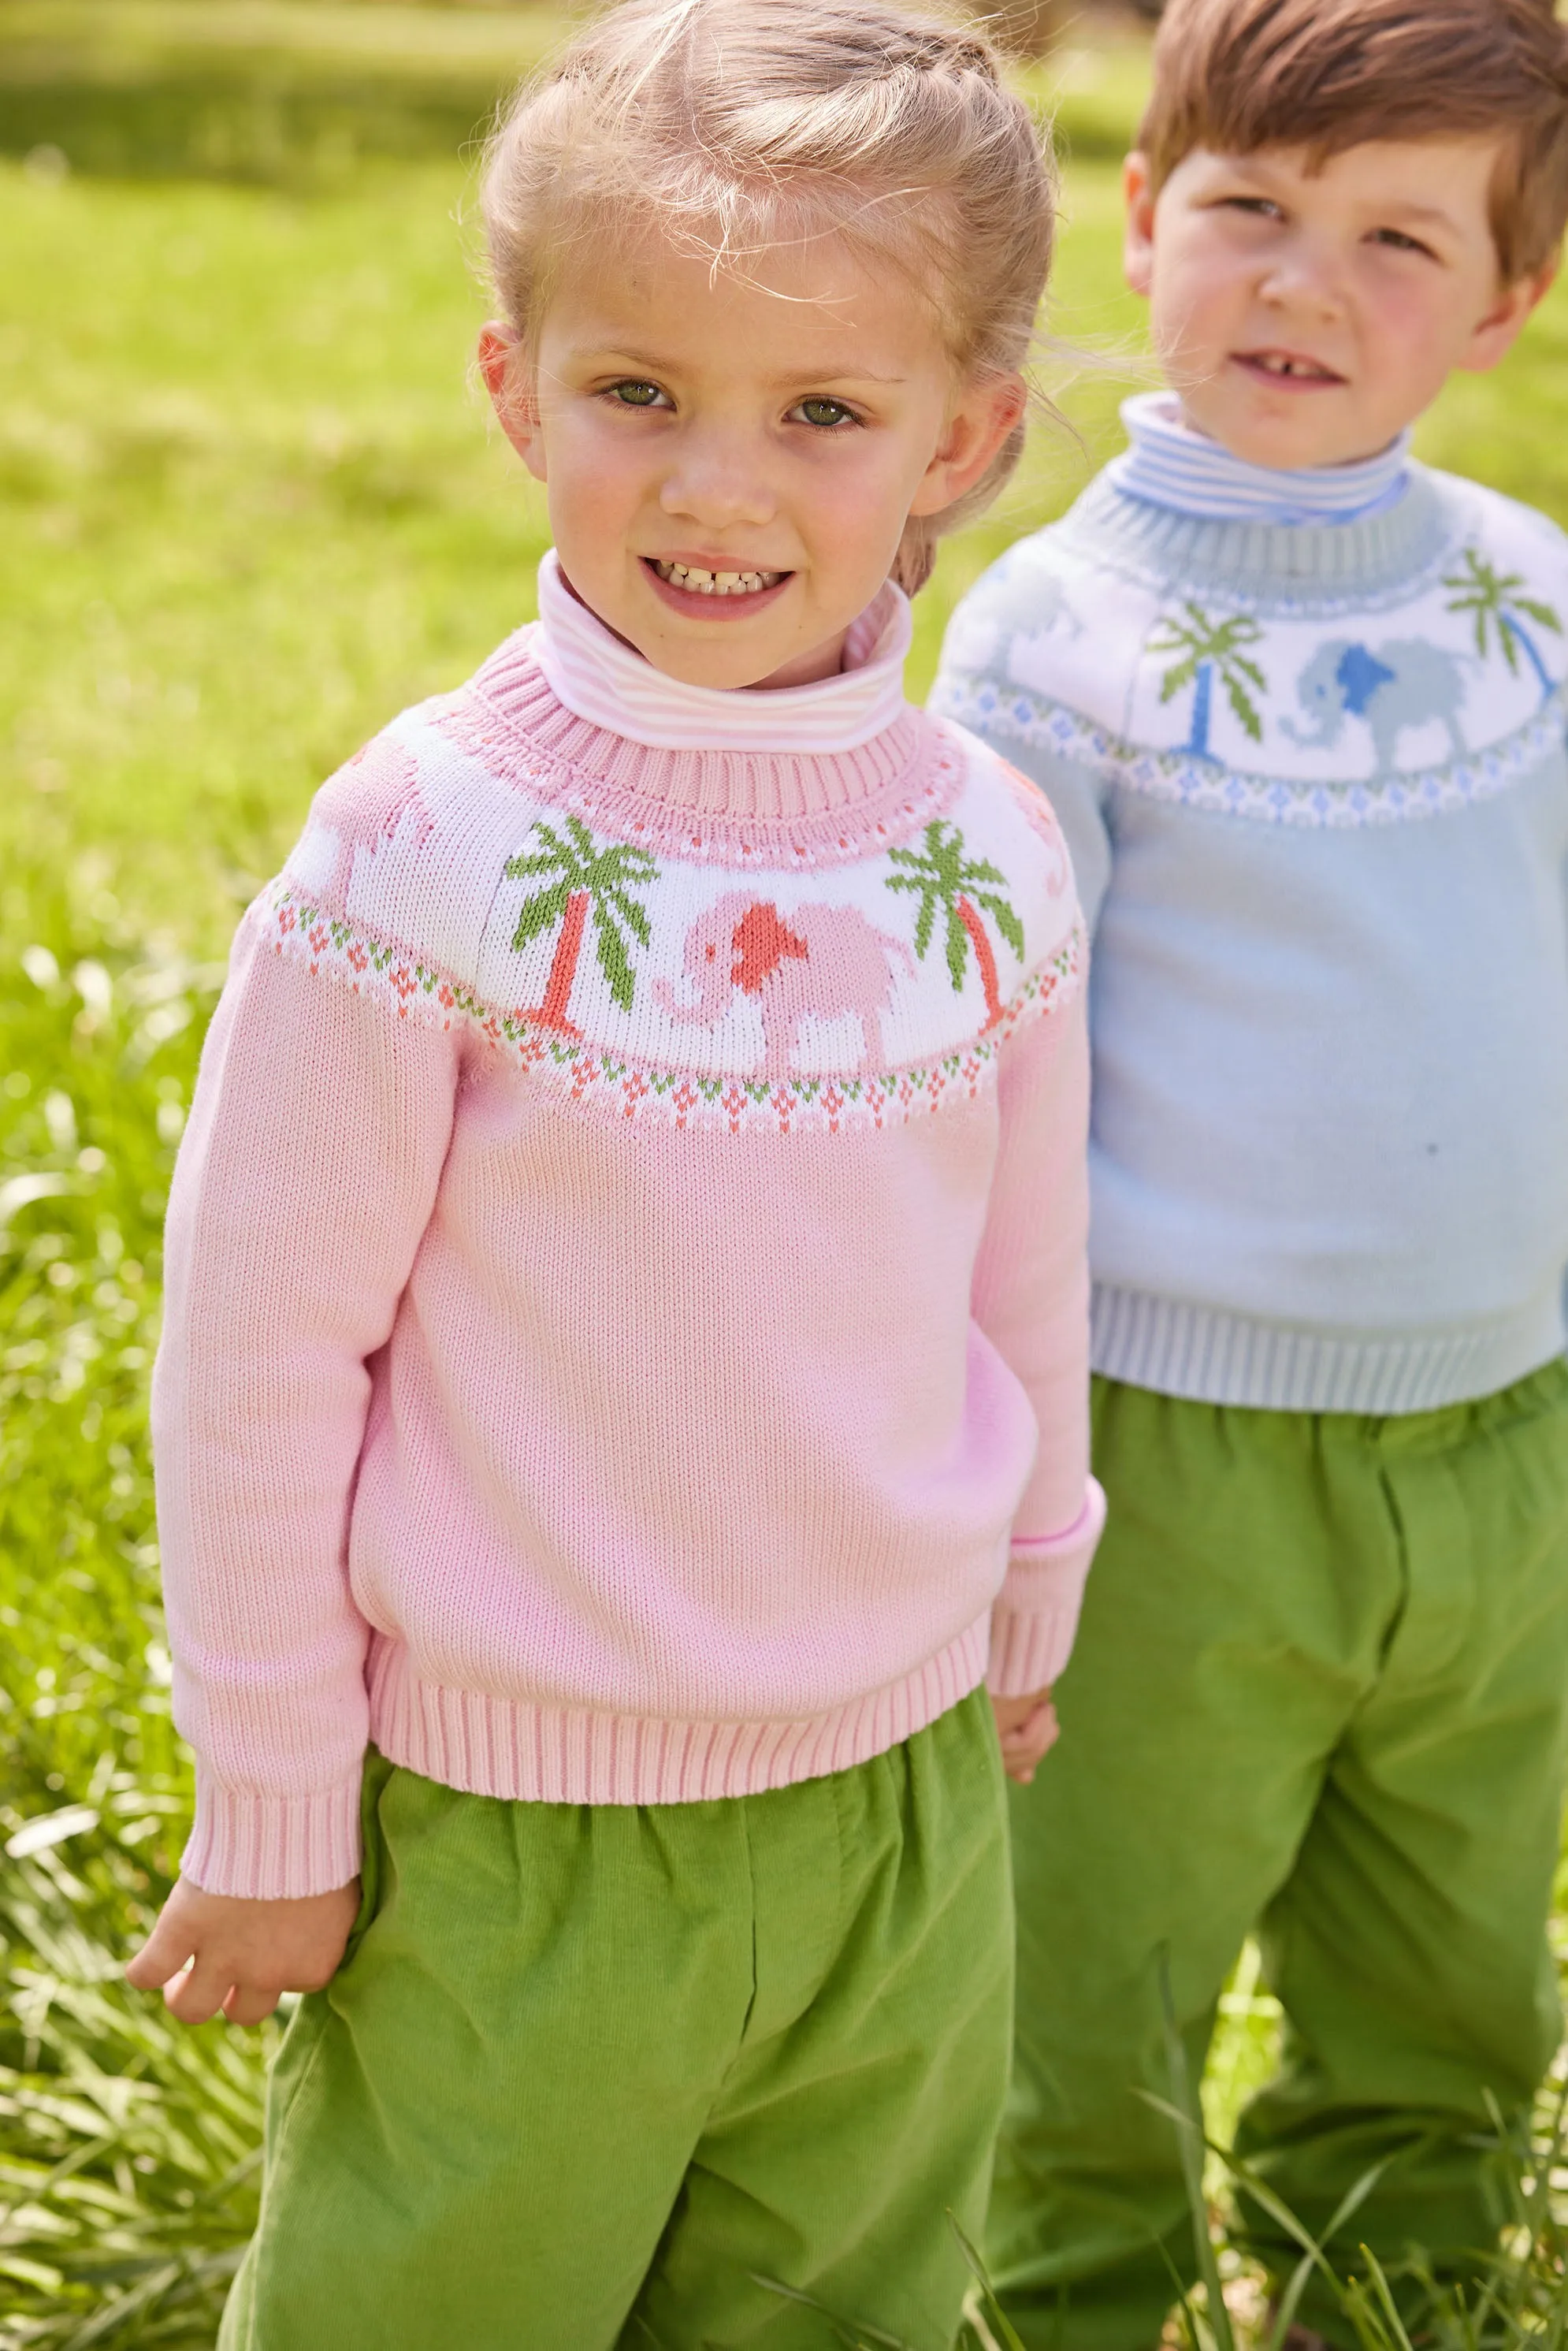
(1320, 1687)
(588, 2068)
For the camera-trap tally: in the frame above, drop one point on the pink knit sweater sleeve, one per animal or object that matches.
(1031, 1301)
(305, 1182)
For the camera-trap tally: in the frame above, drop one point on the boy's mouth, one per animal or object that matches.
(1287, 370)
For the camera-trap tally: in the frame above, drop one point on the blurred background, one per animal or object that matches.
(250, 505)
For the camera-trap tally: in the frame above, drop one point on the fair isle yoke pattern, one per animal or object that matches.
(460, 880)
(1261, 699)
(579, 1072)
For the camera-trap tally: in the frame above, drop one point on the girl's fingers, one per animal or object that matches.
(162, 1956)
(249, 2003)
(1027, 1741)
(198, 1994)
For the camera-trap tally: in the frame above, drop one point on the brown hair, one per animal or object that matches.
(732, 125)
(1325, 75)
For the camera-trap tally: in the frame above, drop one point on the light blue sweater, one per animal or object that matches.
(1315, 782)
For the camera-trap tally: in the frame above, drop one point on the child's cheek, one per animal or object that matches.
(596, 485)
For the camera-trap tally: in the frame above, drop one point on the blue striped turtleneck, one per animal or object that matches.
(1170, 464)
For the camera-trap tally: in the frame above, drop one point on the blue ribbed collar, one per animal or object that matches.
(1171, 464)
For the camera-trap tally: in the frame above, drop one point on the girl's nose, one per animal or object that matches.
(718, 481)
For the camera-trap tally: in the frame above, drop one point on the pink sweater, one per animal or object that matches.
(627, 1259)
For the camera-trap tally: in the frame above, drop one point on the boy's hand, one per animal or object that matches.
(1027, 1726)
(242, 1954)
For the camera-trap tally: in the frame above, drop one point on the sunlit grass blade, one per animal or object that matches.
(855, 2336)
(1192, 2141)
(996, 2317)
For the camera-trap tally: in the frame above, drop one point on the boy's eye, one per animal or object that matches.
(824, 414)
(1398, 242)
(1259, 207)
(634, 393)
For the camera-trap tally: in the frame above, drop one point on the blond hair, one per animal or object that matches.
(735, 126)
(1238, 74)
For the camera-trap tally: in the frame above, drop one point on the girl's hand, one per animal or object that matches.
(1027, 1726)
(242, 1954)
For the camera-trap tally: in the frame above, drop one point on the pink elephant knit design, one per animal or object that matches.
(823, 961)
(363, 805)
(596, 946)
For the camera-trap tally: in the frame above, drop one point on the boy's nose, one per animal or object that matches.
(1304, 279)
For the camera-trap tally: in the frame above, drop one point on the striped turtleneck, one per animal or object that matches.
(1170, 464)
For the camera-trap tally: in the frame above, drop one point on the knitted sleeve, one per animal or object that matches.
(305, 1181)
(1031, 1300)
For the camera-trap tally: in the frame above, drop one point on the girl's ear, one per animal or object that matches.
(510, 383)
(1138, 238)
(986, 412)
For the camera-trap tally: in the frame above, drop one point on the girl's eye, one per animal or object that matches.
(825, 414)
(634, 393)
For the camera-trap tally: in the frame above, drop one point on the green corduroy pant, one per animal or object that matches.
(589, 2072)
(1320, 1689)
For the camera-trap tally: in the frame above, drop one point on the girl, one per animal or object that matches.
(624, 1381)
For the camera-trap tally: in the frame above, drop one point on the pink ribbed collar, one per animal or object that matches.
(601, 679)
(809, 774)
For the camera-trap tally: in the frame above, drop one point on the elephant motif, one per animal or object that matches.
(363, 804)
(1403, 683)
(820, 961)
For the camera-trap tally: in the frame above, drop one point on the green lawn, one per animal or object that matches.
(251, 506)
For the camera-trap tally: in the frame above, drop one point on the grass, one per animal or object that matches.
(249, 505)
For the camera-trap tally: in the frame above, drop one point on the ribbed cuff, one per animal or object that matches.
(272, 1848)
(1036, 1614)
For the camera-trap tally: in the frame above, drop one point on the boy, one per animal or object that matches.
(1297, 702)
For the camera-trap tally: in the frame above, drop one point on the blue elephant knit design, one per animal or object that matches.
(1314, 781)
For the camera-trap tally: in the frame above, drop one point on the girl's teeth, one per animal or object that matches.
(716, 583)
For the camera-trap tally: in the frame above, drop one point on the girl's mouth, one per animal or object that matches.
(689, 586)
(698, 582)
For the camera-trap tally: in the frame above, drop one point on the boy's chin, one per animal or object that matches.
(1295, 441)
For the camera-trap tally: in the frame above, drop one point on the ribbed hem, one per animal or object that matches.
(1035, 1619)
(574, 1755)
(1214, 1357)
(272, 1848)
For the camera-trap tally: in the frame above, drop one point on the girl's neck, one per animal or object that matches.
(810, 669)
(596, 673)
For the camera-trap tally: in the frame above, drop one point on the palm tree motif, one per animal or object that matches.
(1207, 648)
(955, 887)
(585, 877)
(1492, 598)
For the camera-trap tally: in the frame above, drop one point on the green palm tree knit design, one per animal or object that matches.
(1205, 648)
(954, 886)
(585, 878)
(1492, 598)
